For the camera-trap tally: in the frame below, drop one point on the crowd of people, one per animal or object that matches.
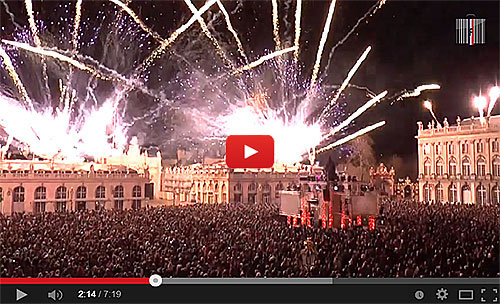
(416, 240)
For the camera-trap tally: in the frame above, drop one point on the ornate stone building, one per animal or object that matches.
(383, 180)
(121, 182)
(216, 183)
(407, 189)
(460, 163)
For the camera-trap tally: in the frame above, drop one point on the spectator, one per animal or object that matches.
(423, 240)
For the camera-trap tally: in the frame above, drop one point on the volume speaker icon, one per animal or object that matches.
(55, 295)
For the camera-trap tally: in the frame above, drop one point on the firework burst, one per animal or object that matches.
(203, 98)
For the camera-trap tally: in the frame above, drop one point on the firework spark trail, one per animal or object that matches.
(11, 15)
(7, 62)
(56, 55)
(207, 33)
(231, 29)
(351, 73)
(357, 113)
(324, 36)
(31, 20)
(352, 136)
(298, 15)
(420, 89)
(115, 76)
(158, 52)
(369, 13)
(263, 59)
(36, 39)
(276, 26)
(413, 93)
(137, 20)
(76, 26)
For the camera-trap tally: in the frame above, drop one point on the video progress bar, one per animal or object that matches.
(247, 281)
(328, 281)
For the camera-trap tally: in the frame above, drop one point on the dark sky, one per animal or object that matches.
(413, 43)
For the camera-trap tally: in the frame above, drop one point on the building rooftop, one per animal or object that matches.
(471, 125)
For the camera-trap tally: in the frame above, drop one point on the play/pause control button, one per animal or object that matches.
(20, 294)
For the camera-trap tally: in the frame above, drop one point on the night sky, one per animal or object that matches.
(413, 43)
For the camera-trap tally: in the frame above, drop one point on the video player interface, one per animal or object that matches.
(249, 151)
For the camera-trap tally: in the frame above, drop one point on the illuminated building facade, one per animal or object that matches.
(460, 163)
(383, 180)
(131, 180)
(218, 184)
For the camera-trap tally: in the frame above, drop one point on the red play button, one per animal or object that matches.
(249, 151)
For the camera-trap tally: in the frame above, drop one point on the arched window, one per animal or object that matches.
(481, 195)
(100, 195)
(496, 166)
(40, 193)
(81, 193)
(18, 195)
(495, 195)
(452, 193)
(40, 199)
(211, 193)
(279, 187)
(439, 193)
(252, 187)
(216, 193)
(266, 193)
(466, 194)
(238, 187)
(465, 166)
(100, 192)
(61, 193)
(252, 193)
(481, 166)
(427, 193)
(439, 167)
(427, 167)
(118, 195)
(224, 194)
(136, 194)
(136, 191)
(61, 197)
(81, 197)
(452, 170)
(205, 194)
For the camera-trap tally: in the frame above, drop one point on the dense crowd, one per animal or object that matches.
(416, 240)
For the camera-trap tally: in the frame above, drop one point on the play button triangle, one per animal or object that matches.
(249, 151)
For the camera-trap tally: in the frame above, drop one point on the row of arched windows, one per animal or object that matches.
(481, 193)
(466, 165)
(81, 193)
